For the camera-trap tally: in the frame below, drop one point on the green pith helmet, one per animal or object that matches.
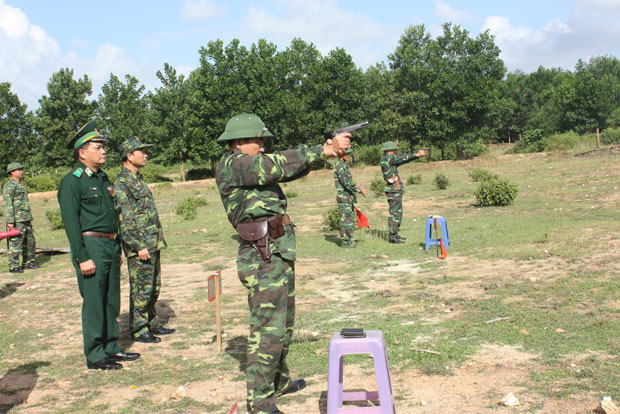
(13, 166)
(244, 126)
(389, 145)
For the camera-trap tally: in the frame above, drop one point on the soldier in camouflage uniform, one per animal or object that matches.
(394, 187)
(142, 239)
(248, 183)
(18, 215)
(346, 197)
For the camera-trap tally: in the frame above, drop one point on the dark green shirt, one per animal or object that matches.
(86, 204)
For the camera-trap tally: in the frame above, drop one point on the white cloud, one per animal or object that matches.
(201, 10)
(326, 25)
(444, 11)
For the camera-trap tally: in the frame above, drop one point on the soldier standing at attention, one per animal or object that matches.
(18, 215)
(394, 187)
(142, 238)
(256, 206)
(87, 208)
(346, 197)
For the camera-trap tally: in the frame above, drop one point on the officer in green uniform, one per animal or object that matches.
(346, 197)
(394, 187)
(248, 181)
(87, 208)
(142, 239)
(18, 215)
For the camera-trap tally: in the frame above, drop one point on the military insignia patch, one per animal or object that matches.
(111, 190)
(78, 172)
(89, 172)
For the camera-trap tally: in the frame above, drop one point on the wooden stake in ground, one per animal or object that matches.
(215, 291)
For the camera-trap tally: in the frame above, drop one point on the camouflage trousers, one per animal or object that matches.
(347, 223)
(395, 202)
(24, 244)
(271, 298)
(144, 284)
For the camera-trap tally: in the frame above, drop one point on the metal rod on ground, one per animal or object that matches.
(218, 323)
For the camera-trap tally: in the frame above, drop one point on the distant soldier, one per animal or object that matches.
(142, 238)
(87, 208)
(248, 181)
(18, 215)
(394, 187)
(346, 197)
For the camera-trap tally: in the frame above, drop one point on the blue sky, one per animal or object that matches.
(38, 37)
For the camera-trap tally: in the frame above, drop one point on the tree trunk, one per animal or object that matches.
(598, 138)
(182, 166)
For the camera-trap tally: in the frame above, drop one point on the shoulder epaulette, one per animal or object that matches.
(78, 172)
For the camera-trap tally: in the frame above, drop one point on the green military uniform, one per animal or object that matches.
(346, 196)
(250, 192)
(17, 213)
(394, 187)
(87, 204)
(140, 228)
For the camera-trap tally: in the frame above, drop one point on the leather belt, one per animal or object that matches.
(100, 235)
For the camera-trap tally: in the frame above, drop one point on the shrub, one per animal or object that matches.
(368, 154)
(332, 218)
(377, 187)
(480, 174)
(187, 208)
(414, 179)
(55, 219)
(562, 142)
(199, 173)
(533, 140)
(496, 192)
(43, 182)
(610, 136)
(441, 181)
(291, 194)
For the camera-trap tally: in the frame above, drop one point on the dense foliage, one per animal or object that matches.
(496, 192)
(451, 93)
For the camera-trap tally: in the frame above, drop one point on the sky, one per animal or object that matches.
(96, 38)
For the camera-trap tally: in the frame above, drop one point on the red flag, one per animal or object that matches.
(444, 255)
(362, 220)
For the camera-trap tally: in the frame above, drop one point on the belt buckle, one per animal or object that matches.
(113, 236)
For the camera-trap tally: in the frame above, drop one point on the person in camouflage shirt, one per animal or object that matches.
(248, 181)
(394, 187)
(346, 197)
(142, 239)
(18, 215)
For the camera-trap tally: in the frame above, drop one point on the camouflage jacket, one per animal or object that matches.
(250, 191)
(139, 223)
(16, 206)
(389, 164)
(347, 190)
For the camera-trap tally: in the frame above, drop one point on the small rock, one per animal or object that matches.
(510, 400)
(523, 332)
(314, 333)
(220, 378)
(607, 406)
(422, 402)
(180, 393)
(560, 330)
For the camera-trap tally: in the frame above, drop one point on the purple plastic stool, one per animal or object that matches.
(372, 344)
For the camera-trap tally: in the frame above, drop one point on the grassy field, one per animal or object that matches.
(527, 302)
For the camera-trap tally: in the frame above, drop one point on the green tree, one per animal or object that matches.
(60, 114)
(17, 141)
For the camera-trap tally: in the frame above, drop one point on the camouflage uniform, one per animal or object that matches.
(250, 191)
(345, 197)
(140, 229)
(394, 188)
(17, 212)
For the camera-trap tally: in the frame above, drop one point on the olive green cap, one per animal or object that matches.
(389, 145)
(244, 126)
(87, 133)
(349, 150)
(130, 145)
(13, 166)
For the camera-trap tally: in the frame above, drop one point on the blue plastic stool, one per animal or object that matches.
(441, 221)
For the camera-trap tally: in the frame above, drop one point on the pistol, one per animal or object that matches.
(350, 128)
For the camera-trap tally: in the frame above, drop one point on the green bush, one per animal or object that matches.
(441, 181)
(480, 174)
(55, 219)
(332, 218)
(496, 192)
(187, 208)
(561, 142)
(414, 179)
(291, 194)
(43, 182)
(368, 154)
(533, 140)
(610, 136)
(377, 187)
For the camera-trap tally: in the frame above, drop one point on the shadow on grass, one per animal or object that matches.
(332, 239)
(237, 349)
(9, 289)
(17, 384)
(380, 234)
(164, 313)
(346, 404)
